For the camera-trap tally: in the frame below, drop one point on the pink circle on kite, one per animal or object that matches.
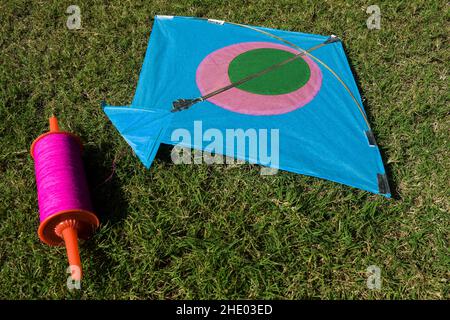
(212, 74)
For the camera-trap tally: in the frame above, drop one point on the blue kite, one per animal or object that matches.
(208, 79)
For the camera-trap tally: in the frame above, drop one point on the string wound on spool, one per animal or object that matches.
(64, 203)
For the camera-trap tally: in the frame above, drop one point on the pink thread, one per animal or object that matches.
(60, 178)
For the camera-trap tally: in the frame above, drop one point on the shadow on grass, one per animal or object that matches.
(108, 203)
(164, 152)
(106, 193)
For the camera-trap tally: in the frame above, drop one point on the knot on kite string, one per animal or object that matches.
(182, 104)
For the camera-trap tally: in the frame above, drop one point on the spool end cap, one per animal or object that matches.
(86, 223)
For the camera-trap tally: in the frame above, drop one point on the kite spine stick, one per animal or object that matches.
(258, 74)
(293, 45)
(182, 104)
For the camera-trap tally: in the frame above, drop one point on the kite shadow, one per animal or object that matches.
(164, 153)
(392, 182)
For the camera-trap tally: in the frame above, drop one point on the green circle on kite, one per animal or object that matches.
(284, 79)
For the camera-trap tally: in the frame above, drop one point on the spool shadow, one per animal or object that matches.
(392, 182)
(106, 193)
(108, 203)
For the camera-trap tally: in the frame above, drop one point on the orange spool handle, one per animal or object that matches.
(54, 127)
(67, 230)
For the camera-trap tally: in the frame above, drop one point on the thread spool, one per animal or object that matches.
(65, 208)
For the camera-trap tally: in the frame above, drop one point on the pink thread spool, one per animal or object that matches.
(64, 204)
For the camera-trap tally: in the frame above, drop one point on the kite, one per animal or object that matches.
(294, 92)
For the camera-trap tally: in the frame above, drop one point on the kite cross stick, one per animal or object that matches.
(182, 104)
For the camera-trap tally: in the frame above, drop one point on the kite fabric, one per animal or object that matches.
(222, 76)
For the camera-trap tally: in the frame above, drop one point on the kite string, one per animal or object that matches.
(116, 159)
(60, 178)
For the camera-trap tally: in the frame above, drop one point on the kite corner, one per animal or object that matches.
(383, 185)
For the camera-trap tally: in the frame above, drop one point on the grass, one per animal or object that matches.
(224, 231)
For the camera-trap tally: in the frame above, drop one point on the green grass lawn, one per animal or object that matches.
(198, 231)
